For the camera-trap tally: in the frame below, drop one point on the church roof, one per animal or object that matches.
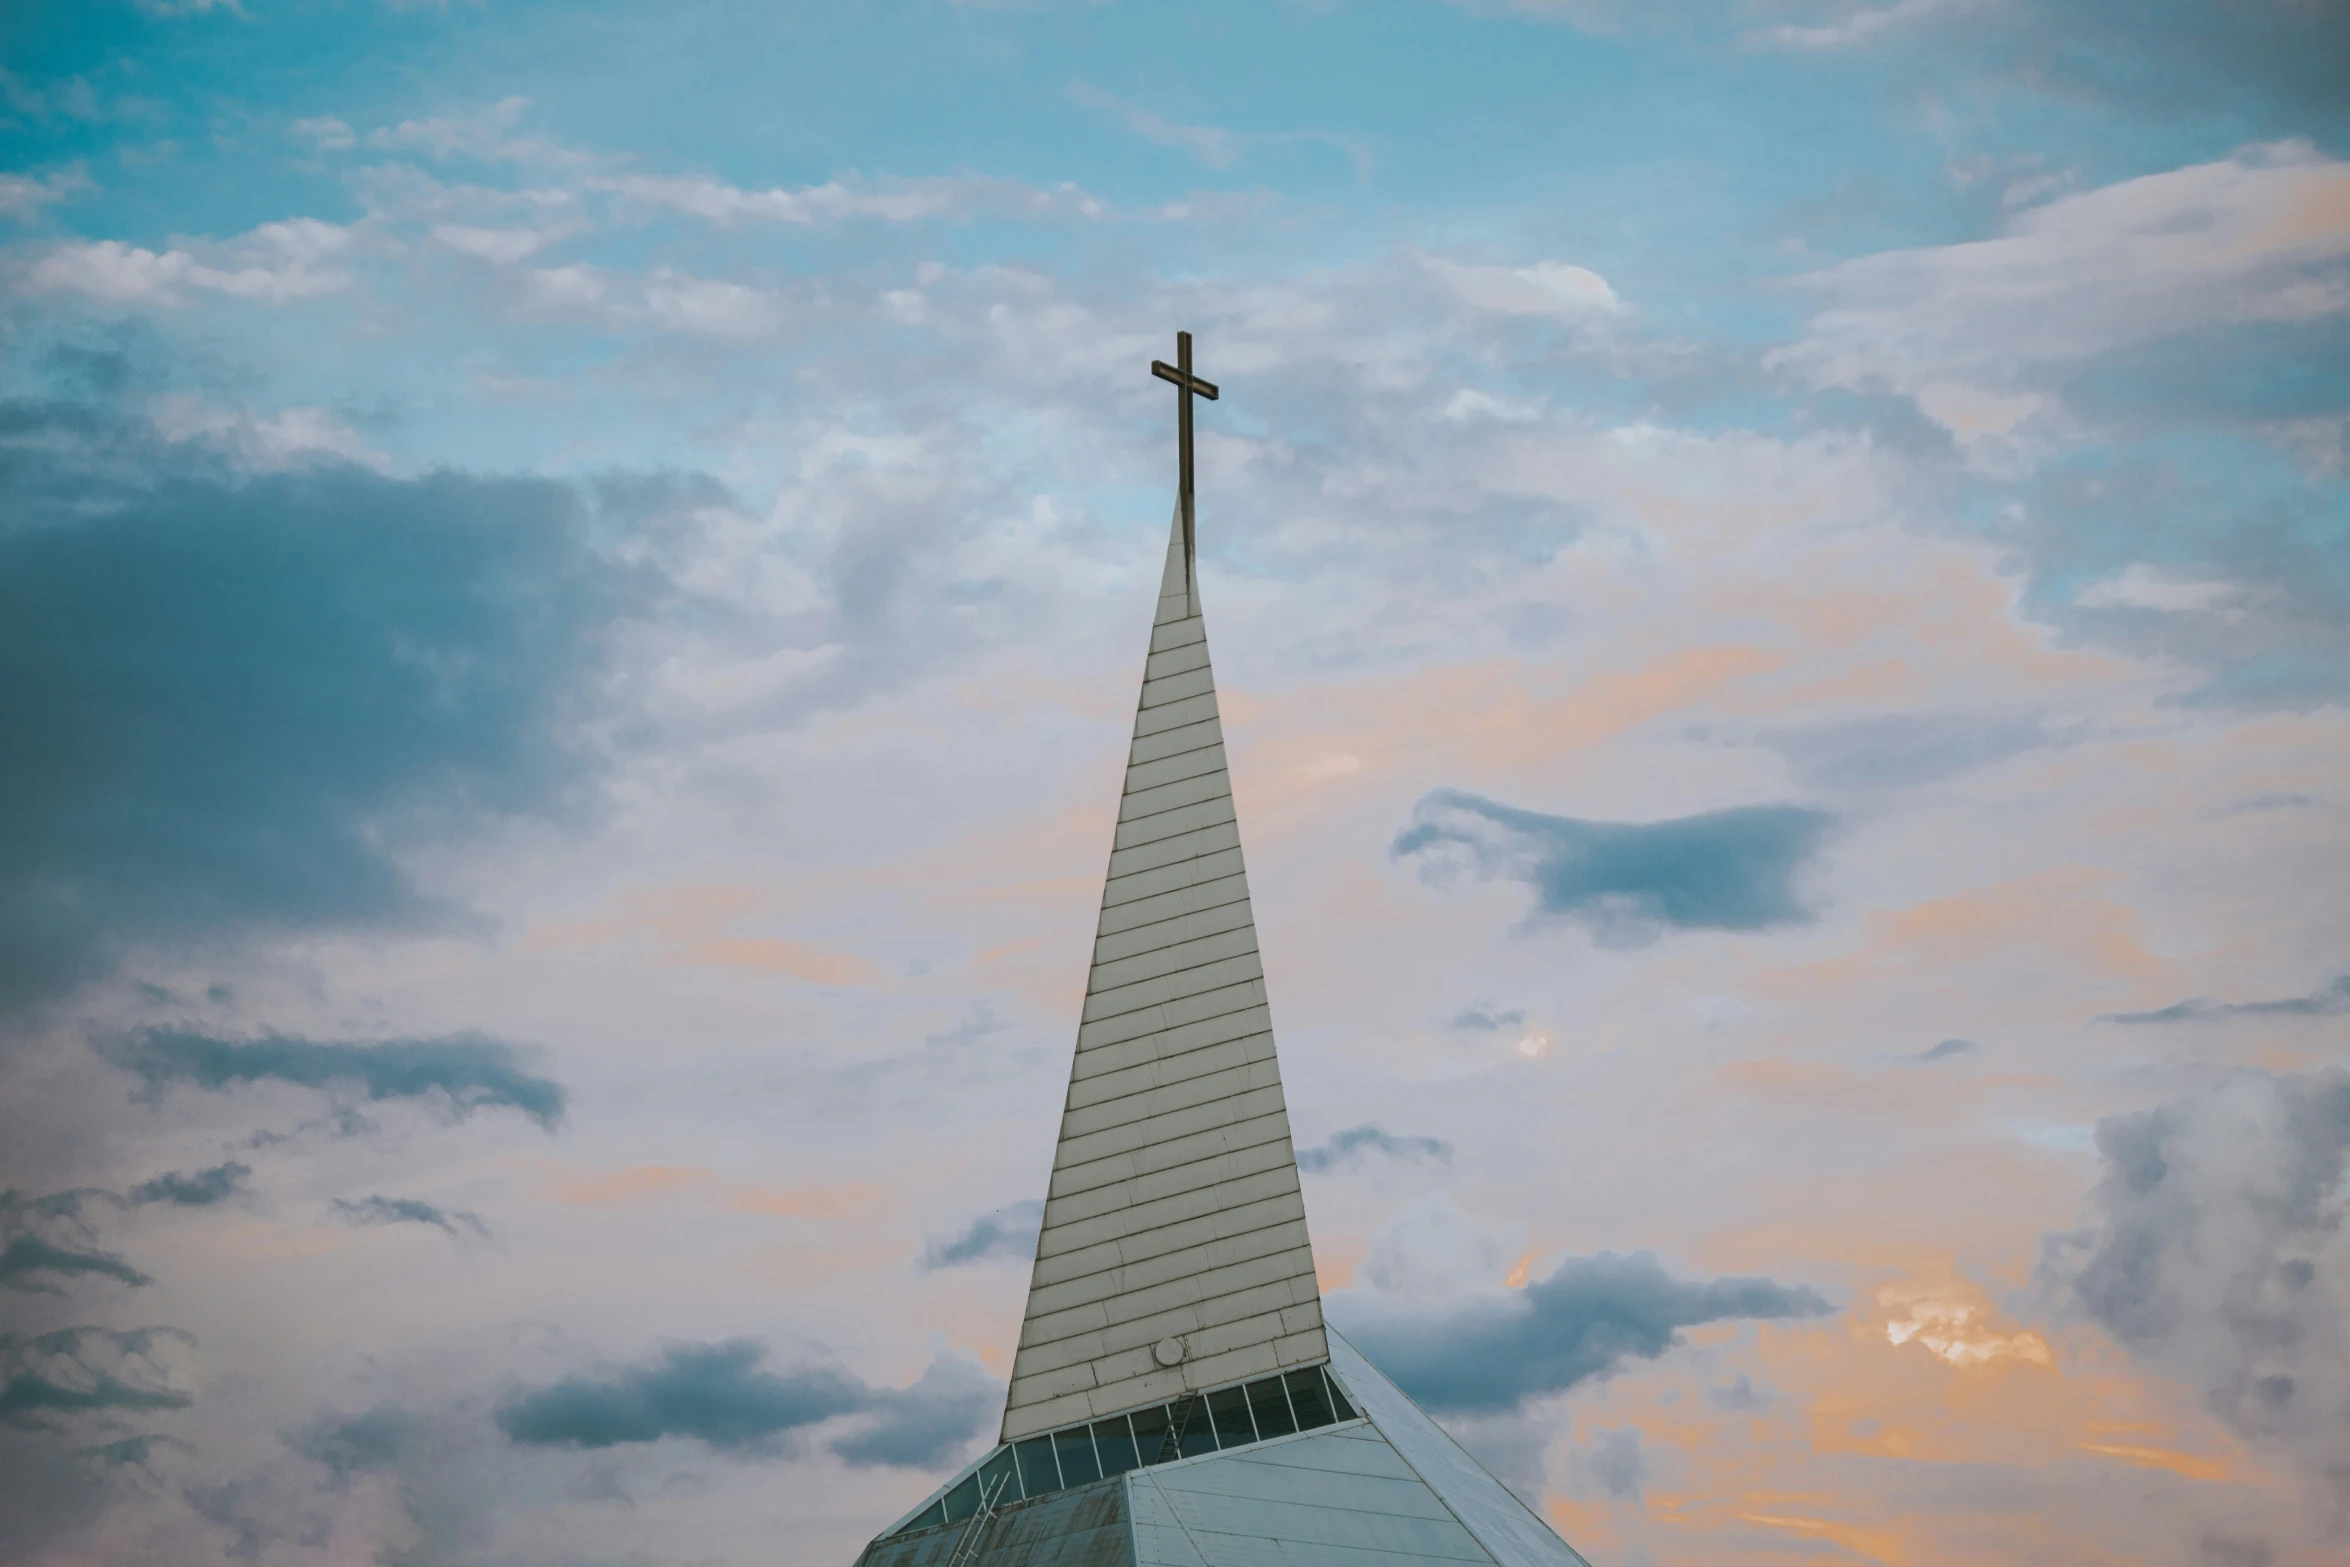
(1372, 1478)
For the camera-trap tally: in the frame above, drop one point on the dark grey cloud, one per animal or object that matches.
(1905, 750)
(1008, 1232)
(48, 1243)
(409, 1210)
(1486, 1020)
(1585, 1321)
(1626, 881)
(86, 1370)
(2327, 1001)
(459, 1073)
(198, 1189)
(2275, 61)
(34, 1262)
(719, 1394)
(233, 700)
(1355, 1142)
(926, 1425)
(2218, 1250)
(724, 1396)
(1946, 1049)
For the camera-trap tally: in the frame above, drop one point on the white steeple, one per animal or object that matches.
(1174, 1254)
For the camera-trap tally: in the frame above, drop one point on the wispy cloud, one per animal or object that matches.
(461, 1073)
(1861, 25)
(1558, 289)
(196, 1189)
(456, 1223)
(1215, 145)
(275, 264)
(1357, 1142)
(723, 1396)
(489, 135)
(1009, 1232)
(29, 1262)
(947, 197)
(2327, 1001)
(24, 196)
(89, 1371)
(2260, 236)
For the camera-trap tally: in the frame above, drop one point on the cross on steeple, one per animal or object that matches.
(1185, 385)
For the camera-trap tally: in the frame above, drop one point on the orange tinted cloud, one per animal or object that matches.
(689, 920)
(1952, 1323)
(1866, 1544)
(2059, 920)
(811, 965)
(2187, 1464)
(1493, 714)
(822, 1200)
(632, 1184)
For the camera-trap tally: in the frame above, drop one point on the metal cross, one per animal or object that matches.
(1185, 385)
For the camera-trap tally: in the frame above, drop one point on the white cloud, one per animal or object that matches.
(22, 196)
(1952, 1324)
(327, 133)
(1541, 288)
(283, 439)
(2262, 236)
(568, 285)
(274, 264)
(2144, 587)
(488, 135)
(888, 201)
(1860, 26)
(500, 247)
(1468, 405)
(710, 307)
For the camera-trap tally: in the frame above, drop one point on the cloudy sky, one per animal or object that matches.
(572, 581)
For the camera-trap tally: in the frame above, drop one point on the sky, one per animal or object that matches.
(572, 584)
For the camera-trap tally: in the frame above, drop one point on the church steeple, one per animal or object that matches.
(1174, 1254)
(1176, 1400)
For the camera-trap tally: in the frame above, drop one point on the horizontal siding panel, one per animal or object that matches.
(1164, 1071)
(1157, 908)
(1173, 742)
(1235, 940)
(1186, 926)
(1167, 851)
(1178, 714)
(1106, 1058)
(1166, 989)
(1162, 825)
(1172, 1016)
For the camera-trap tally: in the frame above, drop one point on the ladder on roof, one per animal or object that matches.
(974, 1535)
(1180, 1415)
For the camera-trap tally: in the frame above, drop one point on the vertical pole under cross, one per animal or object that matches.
(1186, 384)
